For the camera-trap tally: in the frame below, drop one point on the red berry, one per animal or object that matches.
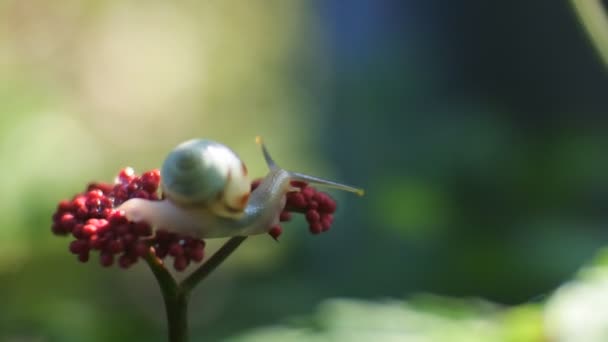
(82, 213)
(180, 263)
(64, 206)
(275, 232)
(128, 238)
(126, 175)
(77, 231)
(326, 222)
(161, 252)
(140, 194)
(80, 202)
(141, 249)
(117, 217)
(312, 216)
(296, 200)
(298, 184)
(308, 192)
(96, 243)
(132, 187)
(197, 254)
(67, 221)
(89, 229)
(115, 246)
(93, 203)
(58, 229)
(175, 249)
(79, 246)
(313, 204)
(319, 197)
(126, 261)
(285, 216)
(315, 228)
(84, 256)
(150, 181)
(106, 259)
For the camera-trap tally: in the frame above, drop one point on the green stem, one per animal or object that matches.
(176, 300)
(176, 295)
(177, 316)
(202, 272)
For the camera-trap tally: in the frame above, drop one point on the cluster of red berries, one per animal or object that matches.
(91, 219)
(317, 206)
(95, 224)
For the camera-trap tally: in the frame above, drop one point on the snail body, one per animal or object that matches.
(213, 198)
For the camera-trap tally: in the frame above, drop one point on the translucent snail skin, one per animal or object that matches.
(207, 193)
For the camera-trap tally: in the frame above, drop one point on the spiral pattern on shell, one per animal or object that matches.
(207, 173)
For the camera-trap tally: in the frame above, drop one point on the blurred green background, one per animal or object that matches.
(477, 128)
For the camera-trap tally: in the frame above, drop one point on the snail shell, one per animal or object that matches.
(205, 173)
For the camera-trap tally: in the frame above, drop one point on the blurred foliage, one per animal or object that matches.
(477, 129)
(437, 319)
(575, 312)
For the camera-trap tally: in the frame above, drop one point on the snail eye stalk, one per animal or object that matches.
(296, 176)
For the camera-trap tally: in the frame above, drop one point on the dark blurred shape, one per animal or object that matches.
(496, 105)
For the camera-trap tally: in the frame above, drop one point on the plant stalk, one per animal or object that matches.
(176, 296)
(202, 272)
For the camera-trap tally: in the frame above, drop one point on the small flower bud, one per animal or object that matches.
(275, 232)
(106, 259)
(180, 263)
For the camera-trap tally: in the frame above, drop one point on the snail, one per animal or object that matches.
(207, 193)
